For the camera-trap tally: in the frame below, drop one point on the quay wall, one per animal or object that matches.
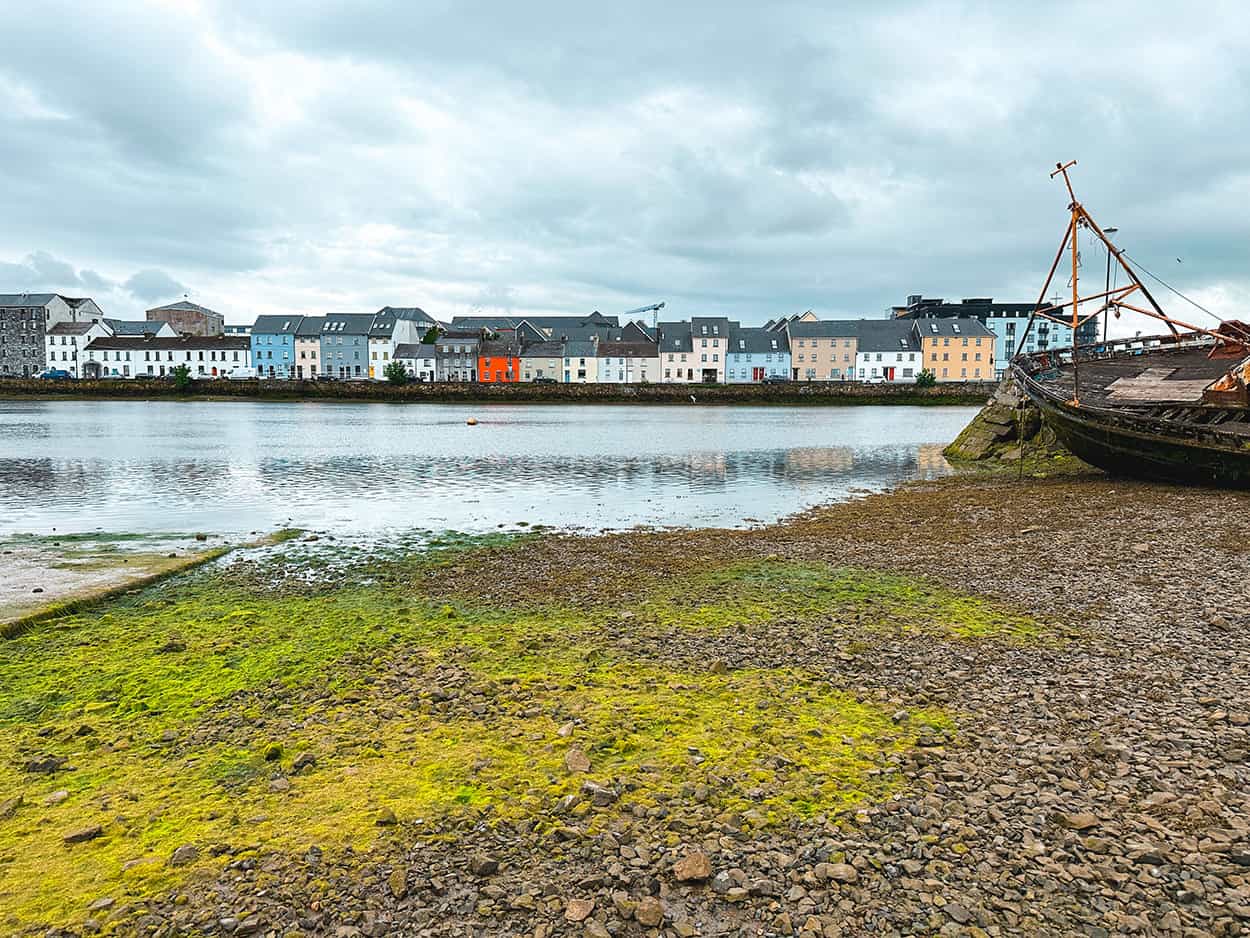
(833, 392)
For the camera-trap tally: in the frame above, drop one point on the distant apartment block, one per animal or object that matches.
(25, 321)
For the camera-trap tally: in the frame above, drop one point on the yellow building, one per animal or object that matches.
(956, 349)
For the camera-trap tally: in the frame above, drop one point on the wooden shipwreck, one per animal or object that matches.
(1170, 406)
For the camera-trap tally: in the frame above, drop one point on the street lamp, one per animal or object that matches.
(1106, 300)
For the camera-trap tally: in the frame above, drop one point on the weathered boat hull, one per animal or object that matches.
(1121, 448)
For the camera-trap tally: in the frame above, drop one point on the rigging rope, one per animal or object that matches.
(1194, 303)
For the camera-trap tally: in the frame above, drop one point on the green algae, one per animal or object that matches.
(180, 706)
(773, 590)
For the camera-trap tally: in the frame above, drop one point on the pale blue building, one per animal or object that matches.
(754, 354)
(273, 345)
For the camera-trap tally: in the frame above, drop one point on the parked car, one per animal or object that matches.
(545, 380)
(56, 374)
(326, 378)
(242, 374)
(775, 379)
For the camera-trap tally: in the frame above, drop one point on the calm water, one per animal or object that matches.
(362, 468)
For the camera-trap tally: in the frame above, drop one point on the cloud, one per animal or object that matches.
(153, 285)
(732, 158)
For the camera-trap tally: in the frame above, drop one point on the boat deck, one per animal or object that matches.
(1156, 376)
(1161, 382)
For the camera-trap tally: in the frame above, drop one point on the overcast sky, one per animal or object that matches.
(742, 159)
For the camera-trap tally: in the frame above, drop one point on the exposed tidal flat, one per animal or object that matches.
(975, 703)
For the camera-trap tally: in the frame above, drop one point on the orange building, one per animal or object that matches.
(956, 349)
(499, 362)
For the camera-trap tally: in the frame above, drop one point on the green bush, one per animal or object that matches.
(926, 379)
(395, 373)
(182, 377)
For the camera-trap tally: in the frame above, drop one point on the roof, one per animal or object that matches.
(825, 329)
(675, 337)
(978, 307)
(184, 306)
(500, 347)
(762, 340)
(580, 348)
(346, 324)
(309, 327)
(886, 335)
(415, 313)
(22, 300)
(414, 350)
(475, 323)
(70, 328)
(276, 325)
(76, 301)
(136, 326)
(708, 326)
(161, 343)
(543, 350)
(383, 325)
(627, 350)
(961, 326)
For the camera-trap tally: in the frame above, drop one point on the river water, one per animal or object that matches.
(360, 469)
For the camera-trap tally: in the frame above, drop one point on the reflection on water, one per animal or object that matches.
(243, 466)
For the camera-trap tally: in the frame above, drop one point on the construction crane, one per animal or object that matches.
(653, 309)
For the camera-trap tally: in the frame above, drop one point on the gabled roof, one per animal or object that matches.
(676, 337)
(71, 328)
(825, 329)
(500, 348)
(414, 350)
(552, 349)
(347, 324)
(961, 326)
(414, 313)
(185, 306)
(750, 341)
(276, 325)
(709, 327)
(21, 300)
(309, 327)
(383, 325)
(580, 348)
(886, 335)
(491, 323)
(627, 350)
(137, 327)
(161, 343)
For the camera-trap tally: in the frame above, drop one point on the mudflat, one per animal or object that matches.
(1012, 706)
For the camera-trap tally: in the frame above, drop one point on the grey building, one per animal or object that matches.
(345, 345)
(419, 360)
(25, 319)
(457, 351)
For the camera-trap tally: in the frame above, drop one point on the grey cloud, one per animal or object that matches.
(742, 158)
(153, 285)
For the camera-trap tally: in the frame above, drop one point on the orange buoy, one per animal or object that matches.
(472, 421)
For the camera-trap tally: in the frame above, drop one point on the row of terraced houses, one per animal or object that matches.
(967, 341)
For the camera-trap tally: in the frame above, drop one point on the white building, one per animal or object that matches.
(153, 357)
(627, 362)
(887, 352)
(65, 342)
(581, 366)
(419, 360)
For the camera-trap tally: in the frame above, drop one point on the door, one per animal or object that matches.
(757, 374)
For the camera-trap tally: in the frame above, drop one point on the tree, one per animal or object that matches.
(431, 336)
(182, 377)
(395, 372)
(926, 379)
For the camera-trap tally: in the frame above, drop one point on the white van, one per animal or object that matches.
(242, 374)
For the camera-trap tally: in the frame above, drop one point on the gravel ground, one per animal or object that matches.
(1097, 783)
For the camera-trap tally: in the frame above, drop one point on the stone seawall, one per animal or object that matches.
(789, 393)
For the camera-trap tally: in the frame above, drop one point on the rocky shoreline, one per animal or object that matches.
(1039, 686)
